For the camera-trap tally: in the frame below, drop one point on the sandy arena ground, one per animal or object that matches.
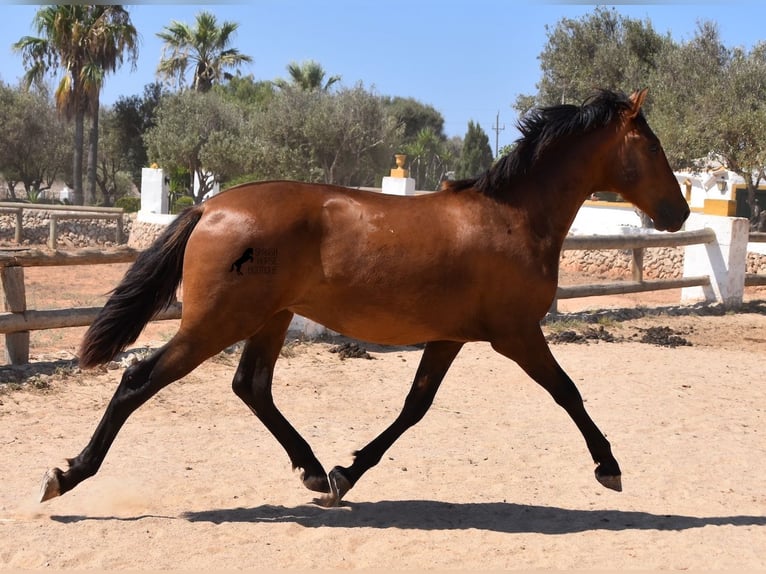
(495, 477)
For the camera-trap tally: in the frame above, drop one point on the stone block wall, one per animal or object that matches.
(143, 234)
(659, 262)
(756, 263)
(72, 233)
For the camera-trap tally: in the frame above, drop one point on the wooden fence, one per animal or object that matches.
(58, 212)
(18, 321)
(636, 244)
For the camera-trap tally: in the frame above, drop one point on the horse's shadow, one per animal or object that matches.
(490, 516)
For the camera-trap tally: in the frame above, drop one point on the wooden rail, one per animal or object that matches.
(55, 217)
(18, 321)
(637, 244)
(58, 212)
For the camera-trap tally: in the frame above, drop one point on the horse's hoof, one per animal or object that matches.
(613, 482)
(316, 483)
(339, 486)
(50, 488)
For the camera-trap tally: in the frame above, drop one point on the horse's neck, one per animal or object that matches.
(552, 205)
(562, 182)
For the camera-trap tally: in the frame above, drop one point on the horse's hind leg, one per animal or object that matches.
(252, 383)
(533, 355)
(139, 383)
(436, 360)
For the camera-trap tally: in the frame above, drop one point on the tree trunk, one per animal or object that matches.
(79, 127)
(90, 196)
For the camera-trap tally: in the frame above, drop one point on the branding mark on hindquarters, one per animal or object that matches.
(244, 258)
(263, 261)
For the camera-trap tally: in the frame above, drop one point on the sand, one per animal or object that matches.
(495, 477)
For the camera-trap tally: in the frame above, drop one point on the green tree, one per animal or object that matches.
(345, 138)
(203, 133)
(415, 117)
(308, 76)
(86, 42)
(694, 113)
(245, 90)
(705, 98)
(133, 117)
(36, 145)
(115, 162)
(205, 47)
(429, 154)
(600, 50)
(477, 155)
(741, 129)
(429, 158)
(690, 77)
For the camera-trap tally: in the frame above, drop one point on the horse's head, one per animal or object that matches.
(641, 173)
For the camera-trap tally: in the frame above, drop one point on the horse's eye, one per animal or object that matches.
(654, 148)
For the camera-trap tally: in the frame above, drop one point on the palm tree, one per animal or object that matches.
(427, 164)
(308, 76)
(87, 42)
(205, 47)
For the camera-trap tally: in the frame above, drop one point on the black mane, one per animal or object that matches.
(540, 128)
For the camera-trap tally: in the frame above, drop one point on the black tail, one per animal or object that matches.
(149, 286)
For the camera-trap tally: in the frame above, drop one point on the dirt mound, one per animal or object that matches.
(664, 337)
(351, 351)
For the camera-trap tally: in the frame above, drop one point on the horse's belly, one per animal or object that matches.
(387, 323)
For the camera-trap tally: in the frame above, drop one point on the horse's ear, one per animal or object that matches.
(637, 100)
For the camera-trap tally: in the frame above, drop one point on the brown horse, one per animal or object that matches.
(476, 261)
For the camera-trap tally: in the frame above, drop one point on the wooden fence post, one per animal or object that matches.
(16, 344)
(53, 233)
(19, 231)
(637, 264)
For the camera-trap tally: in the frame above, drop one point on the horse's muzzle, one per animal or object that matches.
(671, 218)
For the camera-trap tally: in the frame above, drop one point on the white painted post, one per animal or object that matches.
(724, 260)
(154, 193)
(399, 182)
(398, 185)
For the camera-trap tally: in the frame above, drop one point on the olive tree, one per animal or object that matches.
(705, 97)
(204, 133)
(602, 49)
(35, 143)
(342, 137)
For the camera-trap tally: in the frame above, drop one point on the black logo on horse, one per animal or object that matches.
(246, 256)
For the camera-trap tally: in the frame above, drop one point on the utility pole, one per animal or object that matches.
(497, 129)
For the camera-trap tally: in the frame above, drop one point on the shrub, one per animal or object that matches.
(129, 204)
(181, 203)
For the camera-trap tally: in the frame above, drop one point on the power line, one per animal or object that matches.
(497, 129)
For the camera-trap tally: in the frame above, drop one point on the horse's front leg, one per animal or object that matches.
(530, 350)
(252, 383)
(436, 360)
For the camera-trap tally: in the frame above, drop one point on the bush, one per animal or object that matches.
(129, 204)
(181, 203)
(246, 178)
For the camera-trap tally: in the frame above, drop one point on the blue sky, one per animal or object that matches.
(468, 59)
